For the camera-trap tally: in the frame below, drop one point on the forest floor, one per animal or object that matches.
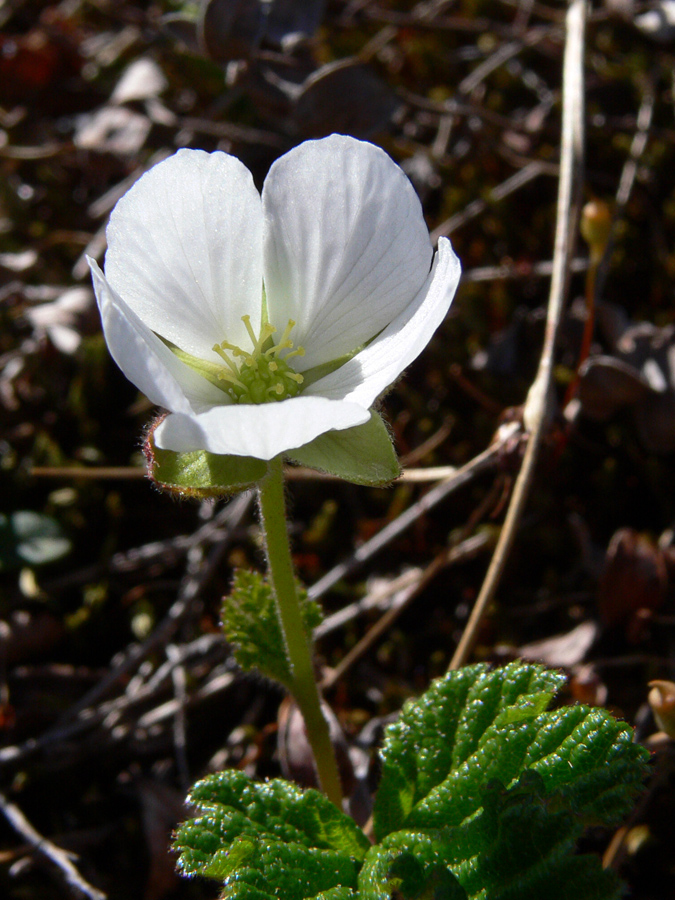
(117, 688)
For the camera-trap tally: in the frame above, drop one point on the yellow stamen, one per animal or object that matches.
(225, 358)
(255, 375)
(251, 333)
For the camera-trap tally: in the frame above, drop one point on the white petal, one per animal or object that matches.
(147, 361)
(185, 250)
(364, 377)
(346, 247)
(262, 431)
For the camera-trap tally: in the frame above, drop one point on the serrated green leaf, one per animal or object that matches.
(508, 785)
(282, 808)
(251, 624)
(30, 538)
(270, 837)
(520, 847)
(277, 869)
(491, 789)
(409, 865)
(363, 454)
(336, 893)
(201, 475)
(436, 734)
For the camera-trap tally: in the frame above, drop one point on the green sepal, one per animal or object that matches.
(251, 624)
(200, 474)
(363, 454)
(318, 372)
(269, 840)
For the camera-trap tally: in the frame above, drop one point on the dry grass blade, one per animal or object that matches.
(536, 409)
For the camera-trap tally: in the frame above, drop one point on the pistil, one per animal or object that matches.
(262, 374)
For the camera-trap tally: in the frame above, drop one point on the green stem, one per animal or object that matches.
(305, 690)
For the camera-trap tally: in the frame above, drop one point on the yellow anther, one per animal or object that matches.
(266, 331)
(295, 377)
(234, 350)
(284, 343)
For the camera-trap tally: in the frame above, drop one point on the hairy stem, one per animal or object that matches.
(305, 690)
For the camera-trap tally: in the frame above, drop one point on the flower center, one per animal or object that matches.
(261, 375)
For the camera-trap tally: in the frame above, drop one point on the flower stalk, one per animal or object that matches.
(298, 645)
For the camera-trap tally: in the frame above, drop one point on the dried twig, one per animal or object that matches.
(536, 410)
(293, 473)
(480, 463)
(83, 714)
(466, 549)
(55, 856)
(475, 208)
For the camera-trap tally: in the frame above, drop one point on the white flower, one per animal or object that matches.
(203, 276)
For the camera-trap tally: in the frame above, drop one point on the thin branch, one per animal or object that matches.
(55, 856)
(78, 716)
(537, 406)
(179, 720)
(292, 473)
(484, 461)
(467, 549)
(476, 207)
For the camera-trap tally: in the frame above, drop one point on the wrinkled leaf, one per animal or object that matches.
(483, 795)
(269, 840)
(477, 725)
(521, 846)
(251, 624)
(413, 865)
